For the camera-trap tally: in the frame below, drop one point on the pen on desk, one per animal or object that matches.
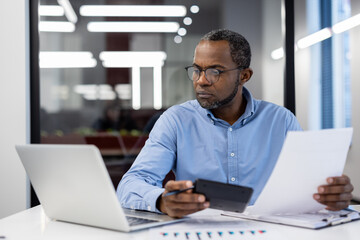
(177, 191)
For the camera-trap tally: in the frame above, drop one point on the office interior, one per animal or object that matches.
(79, 80)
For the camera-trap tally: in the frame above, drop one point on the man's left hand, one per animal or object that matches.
(336, 195)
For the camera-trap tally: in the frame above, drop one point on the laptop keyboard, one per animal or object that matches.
(133, 221)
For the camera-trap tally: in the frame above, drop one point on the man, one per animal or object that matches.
(225, 135)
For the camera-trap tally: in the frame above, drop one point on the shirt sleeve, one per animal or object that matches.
(292, 122)
(142, 184)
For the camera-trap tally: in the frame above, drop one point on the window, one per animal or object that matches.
(331, 94)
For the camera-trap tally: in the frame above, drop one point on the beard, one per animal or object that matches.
(225, 101)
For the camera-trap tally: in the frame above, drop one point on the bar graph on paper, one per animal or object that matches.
(213, 234)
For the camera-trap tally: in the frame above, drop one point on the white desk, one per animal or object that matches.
(33, 224)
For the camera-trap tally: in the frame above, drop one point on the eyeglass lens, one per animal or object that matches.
(211, 74)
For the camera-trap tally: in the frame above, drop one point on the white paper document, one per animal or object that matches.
(307, 158)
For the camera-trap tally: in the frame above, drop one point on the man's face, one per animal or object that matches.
(215, 54)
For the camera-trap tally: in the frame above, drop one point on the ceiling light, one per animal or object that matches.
(314, 38)
(177, 39)
(157, 90)
(56, 26)
(136, 88)
(346, 24)
(277, 53)
(182, 31)
(132, 58)
(69, 11)
(95, 92)
(136, 60)
(194, 9)
(123, 90)
(187, 21)
(133, 27)
(51, 10)
(67, 60)
(133, 11)
(321, 35)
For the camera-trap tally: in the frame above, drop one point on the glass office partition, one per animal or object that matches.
(109, 68)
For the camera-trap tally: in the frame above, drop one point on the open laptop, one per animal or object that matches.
(73, 185)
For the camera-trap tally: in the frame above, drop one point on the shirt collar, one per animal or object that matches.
(249, 111)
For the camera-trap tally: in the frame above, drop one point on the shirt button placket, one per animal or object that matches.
(232, 160)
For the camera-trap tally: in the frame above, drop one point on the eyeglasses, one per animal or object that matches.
(211, 74)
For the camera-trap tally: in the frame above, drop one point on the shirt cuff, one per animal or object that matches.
(151, 198)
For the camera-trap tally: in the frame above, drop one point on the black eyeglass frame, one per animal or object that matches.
(204, 70)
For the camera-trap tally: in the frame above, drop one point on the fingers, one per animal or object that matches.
(184, 203)
(332, 189)
(336, 195)
(333, 197)
(176, 212)
(343, 180)
(177, 185)
(334, 202)
(337, 206)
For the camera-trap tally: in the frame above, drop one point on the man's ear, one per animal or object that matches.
(245, 75)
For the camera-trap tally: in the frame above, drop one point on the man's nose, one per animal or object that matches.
(202, 79)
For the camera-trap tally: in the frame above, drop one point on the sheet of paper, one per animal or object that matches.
(306, 160)
(209, 224)
(214, 233)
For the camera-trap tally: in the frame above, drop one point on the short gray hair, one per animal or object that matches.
(239, 47)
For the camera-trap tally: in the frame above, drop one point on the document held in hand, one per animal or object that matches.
(307, 158)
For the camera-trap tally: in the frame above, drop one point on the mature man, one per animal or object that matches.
(225, 135)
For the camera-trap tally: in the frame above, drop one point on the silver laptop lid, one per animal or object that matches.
(73, 184)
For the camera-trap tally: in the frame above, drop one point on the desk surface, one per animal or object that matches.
(33, 224)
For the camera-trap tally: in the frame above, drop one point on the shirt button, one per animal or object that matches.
(232, 154)
(233, 179)
(230, 129)
(149, 208)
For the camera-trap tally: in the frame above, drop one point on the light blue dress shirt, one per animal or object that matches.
(189, 140)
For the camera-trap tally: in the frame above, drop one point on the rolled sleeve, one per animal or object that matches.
(141, 186)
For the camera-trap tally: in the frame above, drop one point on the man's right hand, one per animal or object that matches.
(181, 204)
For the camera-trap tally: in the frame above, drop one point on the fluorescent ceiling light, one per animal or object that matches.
(321, 35)
(67, 60)
(56, 26)
(100, 96)
(96, 92)
(136, 86)
(69, 11)
(277, 53)
(133, 26)
(123, 90)
(85, 89)
(127, 59)
(157, 91)
(346, 24)
(51, 10)
(133, 11)
(314, 38)
(135, 60)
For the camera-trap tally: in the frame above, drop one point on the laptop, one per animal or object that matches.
(73, 185)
